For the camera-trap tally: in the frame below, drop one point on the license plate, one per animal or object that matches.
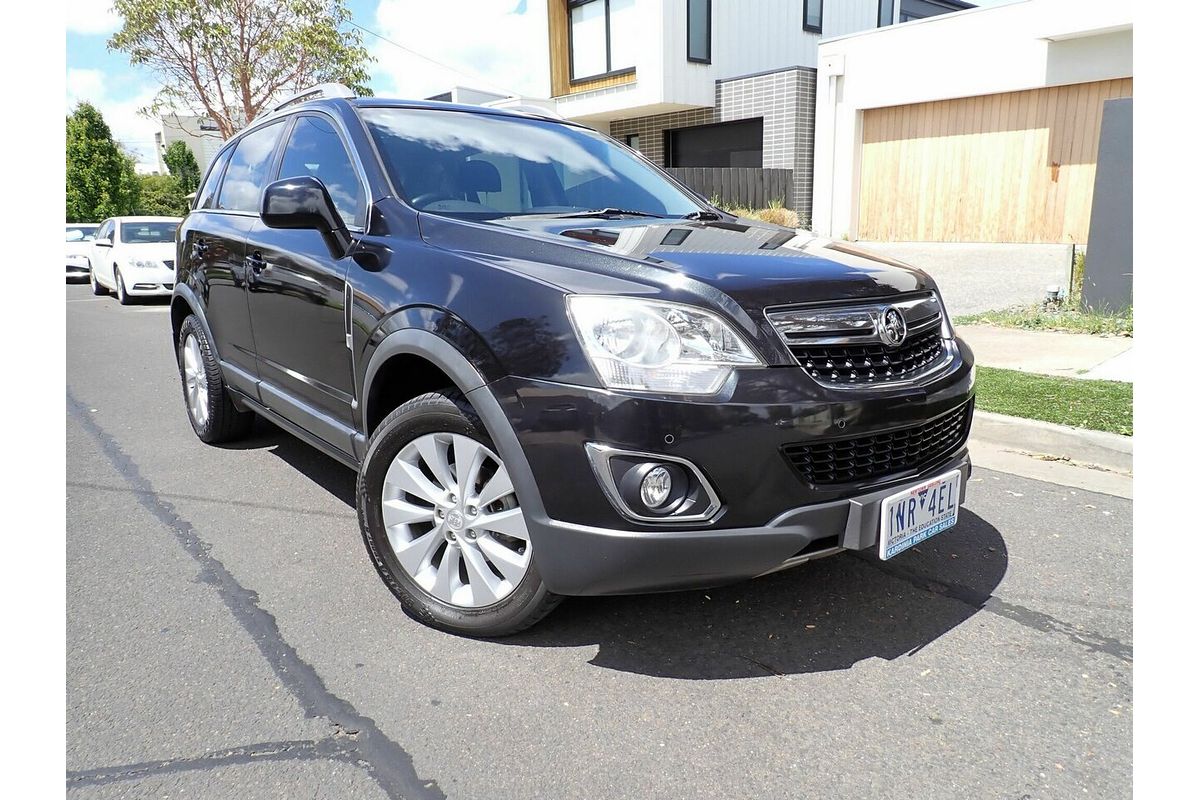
(914, 514)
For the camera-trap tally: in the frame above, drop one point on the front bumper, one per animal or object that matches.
(78, 267)
(149, 286)
(768, 514)
(579, 560)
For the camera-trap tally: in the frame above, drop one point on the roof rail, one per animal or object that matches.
(315, 92)
(533, 110)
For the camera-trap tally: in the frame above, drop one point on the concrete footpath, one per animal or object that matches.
(1076, 457)
(1067, 355)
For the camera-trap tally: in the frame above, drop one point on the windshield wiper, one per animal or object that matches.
(608, 212)
(703, 215)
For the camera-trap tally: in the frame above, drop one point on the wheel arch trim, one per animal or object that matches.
(183, 292)
(468, 379)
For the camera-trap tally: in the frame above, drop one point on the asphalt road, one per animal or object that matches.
(227, 637)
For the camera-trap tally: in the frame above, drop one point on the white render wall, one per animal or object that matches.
(1024, 45)
(748, 37)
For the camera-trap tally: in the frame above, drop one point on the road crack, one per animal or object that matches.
(388, 763)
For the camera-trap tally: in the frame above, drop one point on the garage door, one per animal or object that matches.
(1013, 167)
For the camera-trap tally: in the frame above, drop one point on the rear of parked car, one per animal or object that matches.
(557, 371)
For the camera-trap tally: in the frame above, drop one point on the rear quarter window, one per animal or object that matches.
(207, 197)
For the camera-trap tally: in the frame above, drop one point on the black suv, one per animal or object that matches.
(556, 370)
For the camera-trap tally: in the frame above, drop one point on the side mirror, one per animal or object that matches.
(303, 202)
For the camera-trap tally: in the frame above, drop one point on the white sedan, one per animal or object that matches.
(79, 247)
(134, 257)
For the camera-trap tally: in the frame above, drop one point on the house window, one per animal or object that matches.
(699, 31)
(633, 141)
(603, 37)
(726, 144)
(887, 12)
(812, 15)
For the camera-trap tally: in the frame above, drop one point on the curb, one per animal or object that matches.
(1108, 450)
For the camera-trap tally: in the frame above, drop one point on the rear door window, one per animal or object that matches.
(248, 168)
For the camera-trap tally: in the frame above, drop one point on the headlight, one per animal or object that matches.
(655, 346)
(143, 264)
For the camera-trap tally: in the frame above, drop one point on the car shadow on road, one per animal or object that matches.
(823, 616)
(332, 476)
(826, 615)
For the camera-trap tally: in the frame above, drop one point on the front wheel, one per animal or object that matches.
(442, 522)
(210, 406)
(122, 296)
(97, 288)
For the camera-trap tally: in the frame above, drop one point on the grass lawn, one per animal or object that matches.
(1099, 405)
(1036, 318)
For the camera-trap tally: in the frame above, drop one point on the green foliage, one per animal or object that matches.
(101, 180)
(183, 166)
(775, 213)
(227, 59)
(1099, 405)
(1053, 318)
(162, 196)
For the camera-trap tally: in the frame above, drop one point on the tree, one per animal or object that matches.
(162, 196)
(101, 180)
(227, 59)
(183, 166)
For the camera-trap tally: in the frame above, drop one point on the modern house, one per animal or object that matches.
(723, 91)
(201, 135)
(1001, 148)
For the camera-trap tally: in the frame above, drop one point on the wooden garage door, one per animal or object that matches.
(1014, 167)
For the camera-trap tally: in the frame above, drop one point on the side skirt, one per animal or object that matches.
(295, 430)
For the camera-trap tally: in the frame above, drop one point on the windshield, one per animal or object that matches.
(148, 232)
(81, 233)
(482, 166)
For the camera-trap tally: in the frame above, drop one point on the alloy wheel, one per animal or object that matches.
(195, 380)
(453, 520)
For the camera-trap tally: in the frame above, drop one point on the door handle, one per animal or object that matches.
(255, 262)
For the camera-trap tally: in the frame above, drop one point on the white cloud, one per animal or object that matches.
(488, 46)
(133, 131)
(91, 17)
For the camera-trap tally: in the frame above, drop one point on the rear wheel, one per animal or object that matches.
(122, 296)
(443, 524)
(210, 406)
(97, 289)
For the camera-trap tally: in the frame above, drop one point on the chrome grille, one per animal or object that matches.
(865, 457)
(842, 345)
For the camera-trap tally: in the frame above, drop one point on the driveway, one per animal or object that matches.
(985, 277)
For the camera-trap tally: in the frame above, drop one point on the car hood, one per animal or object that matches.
(154, 251)
(756, 264)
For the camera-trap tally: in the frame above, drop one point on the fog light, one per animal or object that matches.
(656, 487)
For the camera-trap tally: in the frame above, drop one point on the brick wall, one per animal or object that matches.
(786, 101)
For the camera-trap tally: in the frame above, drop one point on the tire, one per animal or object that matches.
(209, 405)
(97, 289)
(122, 296)
(503, 591)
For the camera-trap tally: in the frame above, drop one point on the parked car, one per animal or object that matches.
(556, 370)
(79, 247)
(134, 257)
